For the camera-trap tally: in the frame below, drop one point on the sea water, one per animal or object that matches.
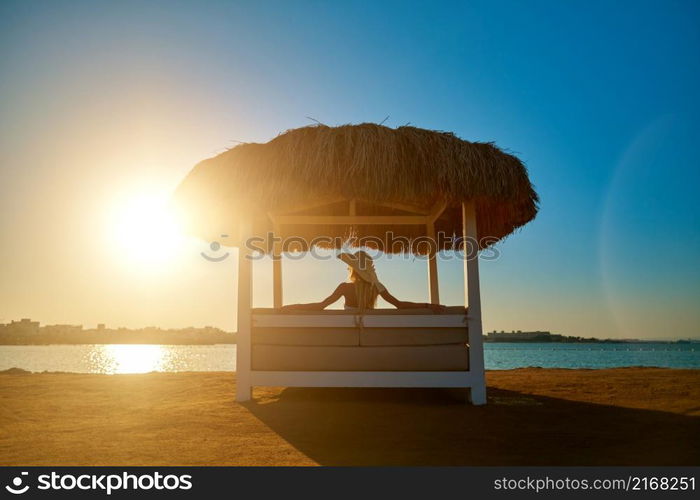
(135, 358)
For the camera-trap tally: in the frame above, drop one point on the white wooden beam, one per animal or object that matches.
(277, 299)
(245, 286)
(473, 301)
(307, 206)
(413, 209)
(399, 206)
(432, 265)
(351, 219)
(437, 210)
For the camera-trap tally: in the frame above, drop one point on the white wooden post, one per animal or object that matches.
(243, 344)
(277, 269)
(473, 301)
(432, 265)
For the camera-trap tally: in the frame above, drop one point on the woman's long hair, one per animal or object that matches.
(366, 292)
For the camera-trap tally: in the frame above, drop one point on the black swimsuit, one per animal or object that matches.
(349, 294)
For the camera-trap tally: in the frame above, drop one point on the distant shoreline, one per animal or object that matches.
(226, 341)
(593, 341)
(28, 332)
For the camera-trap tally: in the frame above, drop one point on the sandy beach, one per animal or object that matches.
(626, 416)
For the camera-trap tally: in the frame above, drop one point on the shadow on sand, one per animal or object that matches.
(435, 427)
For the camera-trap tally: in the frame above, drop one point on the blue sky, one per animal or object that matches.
(598, 98)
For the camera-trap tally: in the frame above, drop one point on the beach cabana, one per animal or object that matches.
(397, 190)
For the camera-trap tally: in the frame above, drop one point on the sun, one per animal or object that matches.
(144, 231)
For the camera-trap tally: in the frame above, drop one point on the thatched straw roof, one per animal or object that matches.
(371, 163)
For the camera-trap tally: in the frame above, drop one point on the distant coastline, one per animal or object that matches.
(28, 332)
(545, 336)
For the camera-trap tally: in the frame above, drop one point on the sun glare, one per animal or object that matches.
(125, 358)
(145, 232)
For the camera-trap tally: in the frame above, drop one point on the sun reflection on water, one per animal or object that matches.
(128, 358)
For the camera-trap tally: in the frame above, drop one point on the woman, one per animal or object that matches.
(362, 290)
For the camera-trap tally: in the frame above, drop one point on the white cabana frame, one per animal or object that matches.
(472, 379)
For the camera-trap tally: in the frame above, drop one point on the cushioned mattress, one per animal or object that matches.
(301, 335)
(454, 357)
(332, 336)
(413, 336)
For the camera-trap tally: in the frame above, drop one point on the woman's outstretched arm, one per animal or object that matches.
(317, 306)
(404, 304)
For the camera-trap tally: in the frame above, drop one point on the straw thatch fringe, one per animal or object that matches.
(368, 162)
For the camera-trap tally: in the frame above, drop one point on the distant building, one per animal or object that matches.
(26, 322)
(25, 325)
(62, 329)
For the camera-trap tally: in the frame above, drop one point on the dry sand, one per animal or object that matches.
(626, 416)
